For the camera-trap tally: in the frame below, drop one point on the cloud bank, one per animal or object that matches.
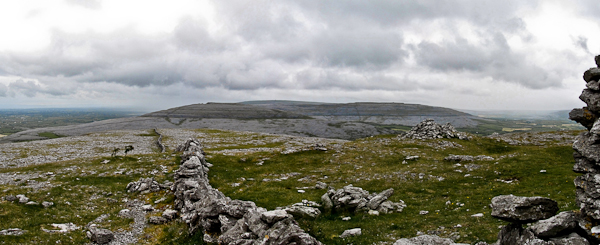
(461, 54)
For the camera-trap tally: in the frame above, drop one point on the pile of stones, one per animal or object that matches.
(356, 199)
(545, 227)
(221, 219)
(304, 209)
(587, 146)
(429, 129)
(147, 185)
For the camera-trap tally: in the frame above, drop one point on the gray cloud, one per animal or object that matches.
(91, 4)
(31, 89)
(390, 12)
(581, 42)
(350, 46)
(492, 58)
(3, 90)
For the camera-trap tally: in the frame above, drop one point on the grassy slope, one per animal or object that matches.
(374, 164)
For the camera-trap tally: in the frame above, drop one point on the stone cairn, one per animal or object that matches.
(429, 129)
(147, 185)
(572, 227)
(221, 219)
(587, 152)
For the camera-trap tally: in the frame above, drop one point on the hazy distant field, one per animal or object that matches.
(16, 120)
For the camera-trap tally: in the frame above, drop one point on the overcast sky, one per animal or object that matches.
(464, 54)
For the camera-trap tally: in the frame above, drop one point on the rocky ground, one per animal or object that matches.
(403, 181)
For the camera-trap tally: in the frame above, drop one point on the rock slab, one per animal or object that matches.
(519, 209)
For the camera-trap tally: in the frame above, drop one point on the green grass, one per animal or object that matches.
(356, 167)
(374, 164)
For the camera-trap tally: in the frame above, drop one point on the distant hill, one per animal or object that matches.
(327, 120)
(358, 109)
(370, 112)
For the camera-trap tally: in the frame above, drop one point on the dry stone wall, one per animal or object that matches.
(221, 219)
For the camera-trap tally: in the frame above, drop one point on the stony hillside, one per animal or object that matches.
(225, 111)
(380, 113)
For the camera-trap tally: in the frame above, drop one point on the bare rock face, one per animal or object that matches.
(429, 129)
(587, 156)
(583, 116)
(564, 222)
(221, 219)
(523, 209)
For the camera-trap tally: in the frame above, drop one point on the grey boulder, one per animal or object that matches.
(351, 232)
(523, 209)
(100, 236)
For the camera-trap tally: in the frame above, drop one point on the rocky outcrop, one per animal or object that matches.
(517, 209)
(221, 219)
(356, 199)
(546, 228)
(429, 129)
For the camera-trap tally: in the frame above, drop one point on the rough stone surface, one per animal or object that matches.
(351, 232)
(22, 198)
(145, 185)
(273, 216)
(12, 232)
(571, 239)
(562, 223)
(592, 99)
(515, 234)
(426, 240)
(429, 129)
(523, 209)
(356, 199)
(169, 214)
(591, 74)
(101, 236)
(583, 116)
(301, 210)
(157, 220)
